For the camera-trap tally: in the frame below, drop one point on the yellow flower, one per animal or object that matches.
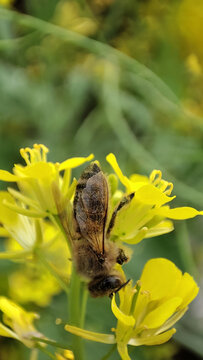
(69, 14)
(19, 227)
(6, 2)
(146, 215)
(24, 234)
(17, 323)
(33, 283)
(148, 310)
(66, 355)
(42, 187)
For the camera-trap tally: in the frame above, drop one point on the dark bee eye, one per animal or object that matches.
(104, 285)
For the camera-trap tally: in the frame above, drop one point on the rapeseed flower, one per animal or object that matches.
(147, 311)
(17, 322)
(65, 355)
(146, 215)
(24, 234)
(33, 282)
(7, 3)
(24, 230)
(42, 187)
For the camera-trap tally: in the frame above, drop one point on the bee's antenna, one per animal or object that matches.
(123, 285)
(120, 287)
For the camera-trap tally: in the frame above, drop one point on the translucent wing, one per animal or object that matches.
(91, 206)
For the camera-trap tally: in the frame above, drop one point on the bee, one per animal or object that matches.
(94, 254)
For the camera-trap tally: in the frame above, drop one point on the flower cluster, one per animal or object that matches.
(36, 223)
(148, 310)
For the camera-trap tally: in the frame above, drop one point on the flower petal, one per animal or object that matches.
(113, 162)
(157, 317)
(153, 340)
(139, 237)
(90, 335)
(187, 290)
(23, 211)
(15, 254)
(74, 162)
(4, 331)
(159, 275)
(173, 319)
(149, 194)
(125, 319)
(179, 213)
(7, 176)
(39, 170)
(164, 227)
(7, 216)
(3, 232)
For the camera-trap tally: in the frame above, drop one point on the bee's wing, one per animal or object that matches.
(90, 209)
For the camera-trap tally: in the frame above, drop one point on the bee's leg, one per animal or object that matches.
(121, 258)
(126, 200)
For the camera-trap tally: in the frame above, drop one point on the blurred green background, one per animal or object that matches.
(106, 76)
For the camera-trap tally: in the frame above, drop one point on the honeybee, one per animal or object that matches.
(93, 253)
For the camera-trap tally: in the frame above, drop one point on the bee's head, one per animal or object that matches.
(105, 285)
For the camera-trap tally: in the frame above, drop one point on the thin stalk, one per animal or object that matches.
(9, 255)
(44, 261)
(75, 317)
(45, 351)
(51, 342)
(65, 231)
(83, 304)
(186, 252)
(34, 354)
(109, 353)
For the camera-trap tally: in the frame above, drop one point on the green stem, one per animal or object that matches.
(45, 351)
(76, 315)
(56, 221)
(51, 342)
(109, 353)
(34, 354)
(44, 261)
(186, 252)
(84, 304)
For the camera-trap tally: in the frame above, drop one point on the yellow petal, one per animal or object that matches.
(3, 232)
(153, 340)
(160, 276)
(187, 290)
(163, 227)
(7, 176)
(157, 317)
(15, 254)
(40, 170)
(18, 315)
(179, 213)
(7, 216)
(139, 178)
(90, 335)
(4, 331)
(125, 319)
(23, 211)
(173, 319)
(74, 162)
(149, 194)
(139, 237)
(113, 162)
